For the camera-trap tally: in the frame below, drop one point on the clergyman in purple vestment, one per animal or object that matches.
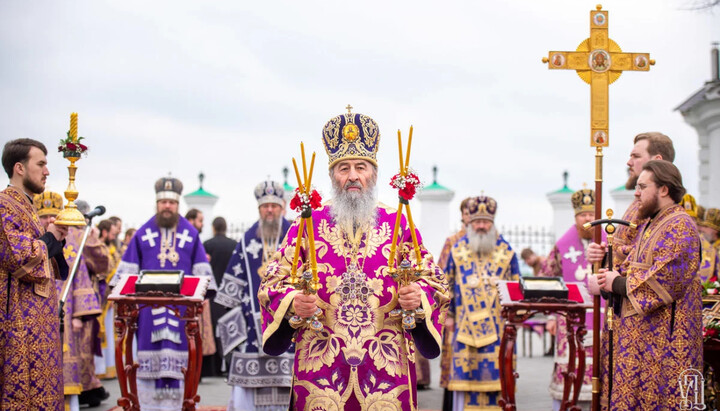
(81, 308)
(165, 242)
(362, 358)
(30, 260)
(656, 357)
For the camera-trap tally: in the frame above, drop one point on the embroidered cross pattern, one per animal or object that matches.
(184, 238)
(254, 248)
(572, 254)
(150, 237)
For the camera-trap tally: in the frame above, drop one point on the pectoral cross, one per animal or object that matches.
(598, 61)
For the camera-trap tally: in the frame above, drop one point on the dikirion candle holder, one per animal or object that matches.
(72, 149)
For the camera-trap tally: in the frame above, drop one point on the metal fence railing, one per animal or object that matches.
(540, 239)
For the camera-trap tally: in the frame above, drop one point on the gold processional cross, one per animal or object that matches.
(599, 61)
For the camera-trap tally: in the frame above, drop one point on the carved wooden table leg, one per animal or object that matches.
(580, 340)
(507, 374)
(192, 373)
(125, 326)
(566, 404)
(199, 350)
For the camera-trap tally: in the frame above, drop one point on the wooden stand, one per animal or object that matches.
(127, 309)
(515, 312)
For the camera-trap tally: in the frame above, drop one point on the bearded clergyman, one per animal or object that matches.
(657, 330)
(266, 387)
(165, 242)
(478, 260)
(361, 358)
(567, 260)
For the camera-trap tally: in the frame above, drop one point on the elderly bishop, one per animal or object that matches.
(361, 358)
(477, 261)
(240, 331)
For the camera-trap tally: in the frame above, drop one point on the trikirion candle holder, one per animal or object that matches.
(72, 149)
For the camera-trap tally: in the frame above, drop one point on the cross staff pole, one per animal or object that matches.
(609, 223)
(599, 61)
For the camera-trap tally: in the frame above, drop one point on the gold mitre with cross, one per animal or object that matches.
(351, 136)
(481, 208)
(48, 203)
(690, 206)
(583, 200)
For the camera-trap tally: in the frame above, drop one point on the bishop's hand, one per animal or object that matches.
(596, 252)
(409, 296)
(305, 305)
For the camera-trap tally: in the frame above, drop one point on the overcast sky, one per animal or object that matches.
(230, 88)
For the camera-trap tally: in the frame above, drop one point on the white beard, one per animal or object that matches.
(269, 229)
(482, 244)
(352, 210)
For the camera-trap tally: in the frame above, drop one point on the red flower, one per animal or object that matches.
(711, 332)
(407, 192)
(712, 291)
(60, 149)
(712, 279)
(295, 203)
(83, 147)
(71, 146)
(315, 200)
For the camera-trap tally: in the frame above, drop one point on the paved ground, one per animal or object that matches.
(532, 394)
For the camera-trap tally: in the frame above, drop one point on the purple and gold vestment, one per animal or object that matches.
(30, 349)
(161, 341)
(446, 358)
(82, 303)
(474, 374)
(658, 333)
(362, 359)
(710, 264)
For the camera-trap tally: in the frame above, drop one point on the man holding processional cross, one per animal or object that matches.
(599, 62)
(359, 329)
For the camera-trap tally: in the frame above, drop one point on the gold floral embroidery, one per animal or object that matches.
(386, 353)
(317, 349)
(69, 252)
